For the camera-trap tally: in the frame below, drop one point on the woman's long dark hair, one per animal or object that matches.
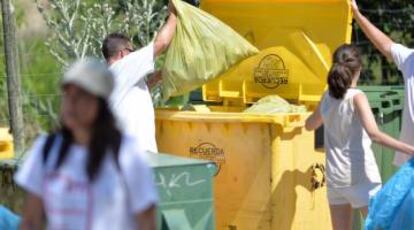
(346, 63)
(106, 139)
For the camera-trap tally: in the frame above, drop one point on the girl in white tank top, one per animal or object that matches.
(352, 172)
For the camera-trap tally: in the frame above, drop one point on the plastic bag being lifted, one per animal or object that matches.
(202, 49)
(273, 105)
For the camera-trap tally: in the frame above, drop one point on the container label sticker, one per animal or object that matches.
(209, 151)
(271, 72)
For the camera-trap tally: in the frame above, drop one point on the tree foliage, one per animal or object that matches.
(395, 18)
(78, 27)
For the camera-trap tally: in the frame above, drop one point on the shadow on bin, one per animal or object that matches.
(285, 195)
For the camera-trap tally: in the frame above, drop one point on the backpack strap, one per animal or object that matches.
(47, 146)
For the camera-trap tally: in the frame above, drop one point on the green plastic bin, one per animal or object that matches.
(185, 189)
(387, 104)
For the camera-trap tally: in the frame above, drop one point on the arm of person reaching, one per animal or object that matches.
(154, 79)
(315, 120)
(137, 65)
(368, 122)
(33, 213)
(380, 40)
(146, 219)
(166, 34)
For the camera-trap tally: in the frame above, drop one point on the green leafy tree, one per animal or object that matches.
(78, 27)
(395, 18)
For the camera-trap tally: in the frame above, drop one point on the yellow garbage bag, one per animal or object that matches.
(202, 49)
(274, 104)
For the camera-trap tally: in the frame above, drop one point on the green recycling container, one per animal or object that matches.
(387, 104)
(185, 189)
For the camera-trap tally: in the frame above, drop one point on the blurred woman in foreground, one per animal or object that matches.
(87, 175)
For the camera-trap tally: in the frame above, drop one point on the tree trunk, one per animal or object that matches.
(13, 81)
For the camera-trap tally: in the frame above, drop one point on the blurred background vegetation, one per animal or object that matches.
(395, 18)
(51, 33)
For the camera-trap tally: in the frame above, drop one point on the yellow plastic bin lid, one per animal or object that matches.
(297, 39)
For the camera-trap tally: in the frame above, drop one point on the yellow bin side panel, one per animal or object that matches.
(264, 177)
(294, 204)
(242, 186)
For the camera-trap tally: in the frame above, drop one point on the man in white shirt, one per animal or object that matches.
(131, 99)
(403, 57)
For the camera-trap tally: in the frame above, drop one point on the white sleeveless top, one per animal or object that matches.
(350, 160)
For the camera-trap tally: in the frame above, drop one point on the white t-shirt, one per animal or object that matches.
(131, 100)
(404, 59)
(71, 202)
(349, 157)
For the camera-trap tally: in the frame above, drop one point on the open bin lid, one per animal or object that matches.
(297, 39)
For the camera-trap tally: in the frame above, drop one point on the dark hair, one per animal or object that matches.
(346, 63)
(106, 138)
(113, 43)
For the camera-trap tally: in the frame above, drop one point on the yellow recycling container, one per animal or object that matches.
(297, 39)
(6, 144)
(270, 175)
(265, 178)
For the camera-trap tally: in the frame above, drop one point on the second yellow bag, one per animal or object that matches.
(202, 49)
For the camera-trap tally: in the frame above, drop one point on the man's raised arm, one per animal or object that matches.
(166, 34)
(380, 40)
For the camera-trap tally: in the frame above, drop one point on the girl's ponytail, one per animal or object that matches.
(347, 63)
